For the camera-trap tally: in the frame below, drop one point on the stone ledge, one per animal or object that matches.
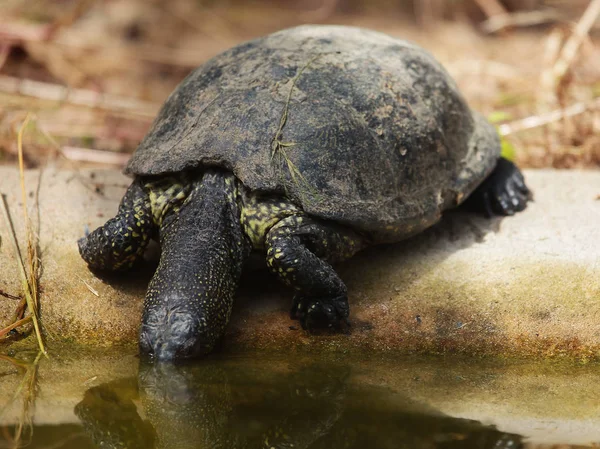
(527, 285)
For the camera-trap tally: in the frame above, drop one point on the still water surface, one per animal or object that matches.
(245, 402)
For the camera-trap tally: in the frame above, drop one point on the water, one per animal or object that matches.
(112, 401)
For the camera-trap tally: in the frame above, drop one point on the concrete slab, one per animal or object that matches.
(527, 285)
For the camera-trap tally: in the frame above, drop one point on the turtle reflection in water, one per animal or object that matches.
(308, 145)
(212, 406)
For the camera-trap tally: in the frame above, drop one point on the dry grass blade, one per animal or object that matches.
(89, 287)
(536, 121)
(278, 152)
(32, 256)
(276, 143)
(22, 273)
(32, 243)
(29, 280)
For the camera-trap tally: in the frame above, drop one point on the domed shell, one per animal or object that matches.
(352, 125)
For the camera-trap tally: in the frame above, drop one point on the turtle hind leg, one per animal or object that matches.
(121, 241)
(503, 192)
(299, 252)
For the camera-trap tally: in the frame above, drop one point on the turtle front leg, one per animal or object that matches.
(503, 192)
(299, 252)
(121, 241)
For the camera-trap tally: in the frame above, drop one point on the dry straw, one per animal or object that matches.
(29, 280)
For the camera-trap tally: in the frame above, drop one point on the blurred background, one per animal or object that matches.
(83, 79)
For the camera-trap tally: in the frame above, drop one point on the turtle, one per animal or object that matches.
(308, 145)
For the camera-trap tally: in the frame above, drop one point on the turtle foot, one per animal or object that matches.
(319, 313)
(502, 193)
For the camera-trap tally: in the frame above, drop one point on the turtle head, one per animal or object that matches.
(172, 332)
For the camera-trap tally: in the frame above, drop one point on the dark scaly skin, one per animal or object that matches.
(190, 296)
(208, 223)
(122, 240)
(299, 252)
(503, 192)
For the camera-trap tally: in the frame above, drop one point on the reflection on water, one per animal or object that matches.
(215, 405)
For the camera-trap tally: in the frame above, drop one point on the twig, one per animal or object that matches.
(499, 22)
(545, 119)
(491, 7)
(569, 51)
(79, 97)
(20, 310)
(96, 156)
(9, 296)
(14, 325)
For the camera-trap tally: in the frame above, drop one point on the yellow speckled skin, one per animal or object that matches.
(259, 215)
(207, 222)
(121, 242)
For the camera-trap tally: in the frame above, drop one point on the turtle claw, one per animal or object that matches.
(509, 192)
(318, 313)
(503, 193)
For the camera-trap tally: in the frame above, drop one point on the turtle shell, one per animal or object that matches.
(352, 125)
